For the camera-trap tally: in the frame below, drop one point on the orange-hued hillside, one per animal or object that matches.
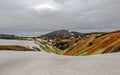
(96, 44)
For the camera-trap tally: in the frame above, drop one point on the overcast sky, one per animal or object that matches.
(34, 17)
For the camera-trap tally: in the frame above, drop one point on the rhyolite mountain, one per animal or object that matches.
(66, 34)
(95, 43)
(74, 43)
(61, 34)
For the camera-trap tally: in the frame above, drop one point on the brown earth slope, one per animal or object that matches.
(15, 48)
(96, 44)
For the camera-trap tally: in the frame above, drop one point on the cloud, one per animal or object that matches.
(18, 16)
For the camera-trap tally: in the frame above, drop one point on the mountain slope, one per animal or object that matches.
(56, 34)
(96, 43)
(61, 34)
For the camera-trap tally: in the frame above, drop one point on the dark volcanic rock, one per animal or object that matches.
(7, 36)
(60, 34)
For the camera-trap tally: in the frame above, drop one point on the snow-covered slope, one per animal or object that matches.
(18, 42)
(40, 63)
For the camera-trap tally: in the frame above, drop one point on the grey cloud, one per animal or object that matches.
(18, 17)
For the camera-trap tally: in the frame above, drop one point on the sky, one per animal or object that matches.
(36, 17)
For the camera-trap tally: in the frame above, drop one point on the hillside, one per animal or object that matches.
(88, 44)
(17, 45)
(95, 43)
(61, 34)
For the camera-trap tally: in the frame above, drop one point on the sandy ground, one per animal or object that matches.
(41, 63)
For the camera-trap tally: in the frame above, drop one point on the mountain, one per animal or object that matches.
(56, 34)
(71, 43)
(94, 43)
(61, 34)
(8, 36)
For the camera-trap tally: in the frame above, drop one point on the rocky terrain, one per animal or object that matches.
(64, 42)
(66, 34)
(61, 34)
(95, 43)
